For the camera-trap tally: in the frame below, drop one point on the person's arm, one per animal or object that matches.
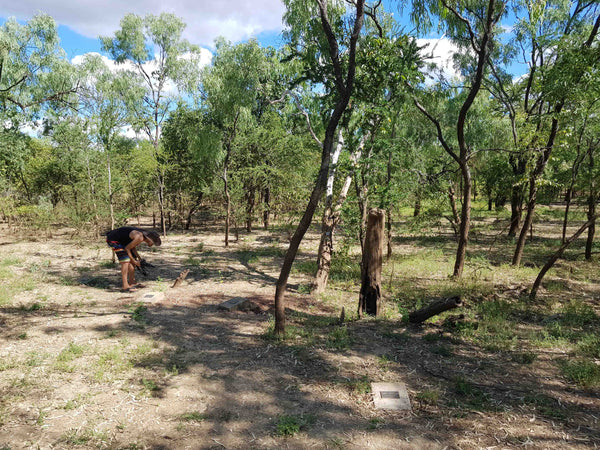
(136, 239)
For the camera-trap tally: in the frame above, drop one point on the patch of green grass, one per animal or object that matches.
(308, 267)
(442, 350)
(585, 374)
(432, 337)
(546, 406)
(429, 397)
(193, 416)
(470, 395)
(384, 362)
(578, 314)
(375, 423)
(150, 386)
(191, 261)
(10, 261)
(248, 254)
(289, 425)
(35, 359)
(87, 437)
(360, 385)
(523, 357)
(35, 306)
(138, 312)
(339, 338)
(111, 362)
(72, 351)
(589, 345)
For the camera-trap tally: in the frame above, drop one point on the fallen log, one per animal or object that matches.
(433, 309)
(180, 278)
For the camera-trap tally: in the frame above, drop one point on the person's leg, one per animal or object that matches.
(124, 274)
(131, 273)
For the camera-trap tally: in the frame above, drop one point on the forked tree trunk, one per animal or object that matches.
(369, 300)
(331, 217)
(345, 88)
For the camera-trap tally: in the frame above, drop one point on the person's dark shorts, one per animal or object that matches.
(119, 250)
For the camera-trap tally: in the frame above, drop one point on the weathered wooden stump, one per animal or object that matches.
(369, 300)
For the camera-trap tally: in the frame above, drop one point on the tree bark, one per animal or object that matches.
(250, 201)
(465, 222)
(267, 208)
(592, 199)
(369, 300)
(331, 217)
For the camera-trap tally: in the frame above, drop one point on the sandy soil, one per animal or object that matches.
(83, 365)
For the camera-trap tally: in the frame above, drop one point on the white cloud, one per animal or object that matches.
(234, 19)
(440, 51)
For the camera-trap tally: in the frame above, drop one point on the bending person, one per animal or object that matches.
(124, 241)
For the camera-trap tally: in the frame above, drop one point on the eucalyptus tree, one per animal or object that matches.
(233, 88)
(35, 75)
(313, 26)
(473, 27)
(162, 61)
(34, 71)
(105, 99)
(557, 40)
(194, 148)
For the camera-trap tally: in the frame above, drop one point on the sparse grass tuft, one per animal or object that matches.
(289, 425)
(585, 374)
(193, 416)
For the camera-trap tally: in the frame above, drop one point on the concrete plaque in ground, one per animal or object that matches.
(390, 396)
(152, 297)
(235, 303)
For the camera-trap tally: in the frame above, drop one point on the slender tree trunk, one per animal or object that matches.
(592, 199)
(533, 190)
(267, 207)
(417, 208)
(569, 194)
(345, 88)
(193, 209)
(556, 256)
(328, 222)
(516, 210)
(227, 206)
(465, 222)
(453, 207)
(228, 145)
(250, 201)
(369, 300)
(93, 197)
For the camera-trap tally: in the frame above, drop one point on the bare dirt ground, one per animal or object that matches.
(83, 365)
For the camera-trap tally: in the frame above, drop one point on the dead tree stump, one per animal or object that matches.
(180, 278)
(369, 300)
(433, 309)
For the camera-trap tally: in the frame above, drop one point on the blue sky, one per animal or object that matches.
(82, 21)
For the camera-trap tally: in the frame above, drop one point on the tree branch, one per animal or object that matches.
(302, 110)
